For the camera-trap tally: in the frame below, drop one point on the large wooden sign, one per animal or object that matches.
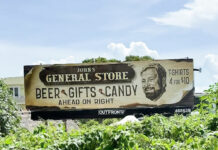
(109, 90)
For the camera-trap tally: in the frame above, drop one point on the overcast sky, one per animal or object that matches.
(66, 31)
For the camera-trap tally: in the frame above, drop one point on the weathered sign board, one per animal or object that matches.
(109, 89)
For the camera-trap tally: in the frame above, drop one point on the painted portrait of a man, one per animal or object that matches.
(153, 81)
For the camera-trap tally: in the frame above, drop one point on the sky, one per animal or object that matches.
(67, 31)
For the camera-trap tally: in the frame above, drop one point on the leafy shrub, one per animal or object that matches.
(198, 132)
(209, 102)
(88, 124)
(153, 132)
(109, 121)
(9, 119)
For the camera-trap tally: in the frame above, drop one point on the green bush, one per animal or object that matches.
(137, 58)
(209, 102)
(9, 119)
(109, 121)
(153, 132)
(198, 132)
(88, 124)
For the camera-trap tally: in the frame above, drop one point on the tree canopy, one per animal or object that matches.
(128, 58)
(137, 58)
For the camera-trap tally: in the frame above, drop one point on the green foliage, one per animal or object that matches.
(109, 121)
(89, 123)
(213, 123)
(137, 58)
(91, 60)
(197, 132)
(144, 58)
(209, 102)
(153, 132)
(128, 58)
(9, 119)
(99, 60)
(113, 60)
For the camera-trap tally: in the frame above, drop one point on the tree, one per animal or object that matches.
(9, 119)
(113, 60)
(146, 58)
(99, 60)
(128, 58)
(137, 58)
(91, 60)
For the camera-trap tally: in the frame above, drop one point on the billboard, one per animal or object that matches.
(109, 89)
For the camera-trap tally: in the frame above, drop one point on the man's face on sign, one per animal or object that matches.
(150, 84)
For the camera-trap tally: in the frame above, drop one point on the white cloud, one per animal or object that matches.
(215, 77)
(135, 48)
(209, 74)
(118, 50)
(211, 64)
(69, 59)
(212, 59)
(39, 62)
(193, 13)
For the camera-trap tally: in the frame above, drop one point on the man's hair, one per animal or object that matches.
(161, 74)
